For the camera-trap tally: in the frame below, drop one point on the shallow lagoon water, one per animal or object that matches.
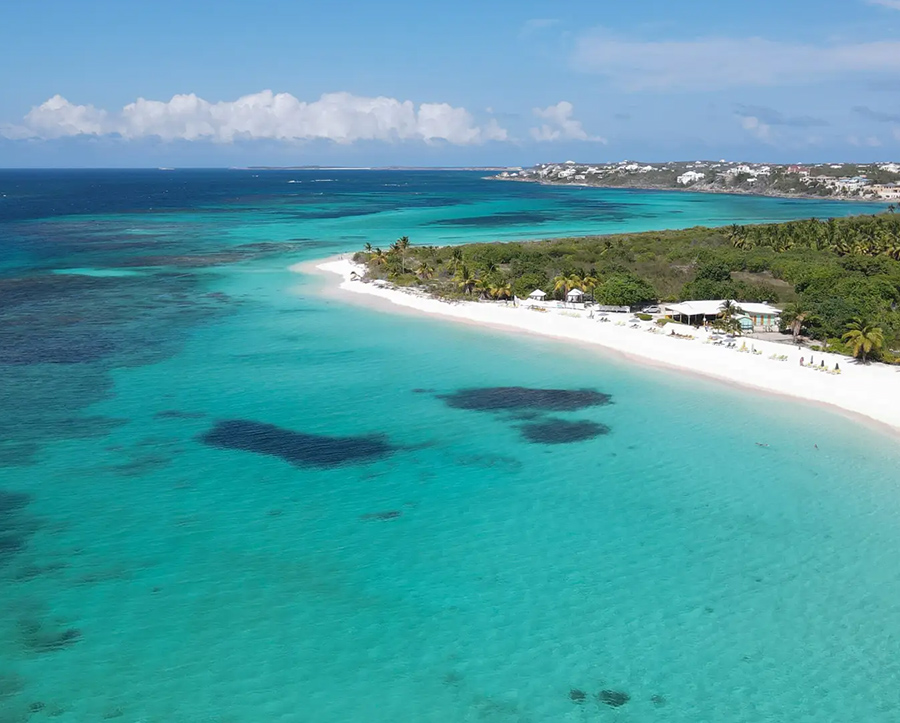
(466, 572)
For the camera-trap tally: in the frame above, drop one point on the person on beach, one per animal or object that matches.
(801, 360)
(812, 362)
(837, 367)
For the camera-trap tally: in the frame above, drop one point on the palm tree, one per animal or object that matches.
(795, 317)
(730, 325)
(738, 236)
(726, 320)
(590, 282)
(863, 338)
(456, 259)
(368, 247)
(379, 257)
(500, 291)
(397, 251)
(562, 283)
(424, 271)
(465, 279)
(399, 248)
(728, 310)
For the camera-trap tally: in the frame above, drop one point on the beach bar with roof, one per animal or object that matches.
(575, 296)
(537, 295)
(752, 315)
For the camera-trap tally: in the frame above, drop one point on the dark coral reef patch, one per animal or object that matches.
(37, 636)
(561, 431)
(61, 334)
(296, 448)
(613, 698)
(501, 399)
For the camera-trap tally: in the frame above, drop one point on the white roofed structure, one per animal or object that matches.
(537, 294)
(575, 295)
(763, 316)
(713, 307)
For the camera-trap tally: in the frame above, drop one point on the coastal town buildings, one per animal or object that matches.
(886, 191)
(866, 181)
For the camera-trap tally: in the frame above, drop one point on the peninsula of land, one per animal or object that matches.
(871, 182)
(871, 391)
(809, 309)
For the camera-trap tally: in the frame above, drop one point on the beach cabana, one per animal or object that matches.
(746, 322)
(537, 295)
(575, 296)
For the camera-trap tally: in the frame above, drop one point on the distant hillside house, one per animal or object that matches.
(852, 184)
(887, 191)
(685, 179)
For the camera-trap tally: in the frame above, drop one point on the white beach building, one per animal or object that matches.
(762, 317)
(537, 295)
(575, 296)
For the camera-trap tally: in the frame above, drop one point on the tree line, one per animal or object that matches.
(828, 275)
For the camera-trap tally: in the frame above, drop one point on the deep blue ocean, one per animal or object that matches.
(228, 497)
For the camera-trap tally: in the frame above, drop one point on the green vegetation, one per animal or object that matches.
(727, 321)
(828, 275)
(863, 338)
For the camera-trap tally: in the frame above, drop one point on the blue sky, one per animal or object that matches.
(278, 82)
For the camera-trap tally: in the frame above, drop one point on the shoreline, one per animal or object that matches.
(692, 189)
(868, 394)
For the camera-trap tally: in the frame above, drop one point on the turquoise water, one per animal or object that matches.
(462, 574)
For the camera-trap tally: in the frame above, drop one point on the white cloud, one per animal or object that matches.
(757, 128)
(338, 117)
(717, 63)
(560, 126)
(893, 4)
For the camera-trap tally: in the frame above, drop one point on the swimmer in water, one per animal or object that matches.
(760, 444)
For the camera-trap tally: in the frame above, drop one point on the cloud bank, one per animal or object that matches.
(720, 63)
(876, 115)
(560, 125)
(338, 117)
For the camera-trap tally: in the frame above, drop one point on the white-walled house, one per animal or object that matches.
(690, 177)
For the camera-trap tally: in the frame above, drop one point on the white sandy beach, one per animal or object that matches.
(872, 391)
